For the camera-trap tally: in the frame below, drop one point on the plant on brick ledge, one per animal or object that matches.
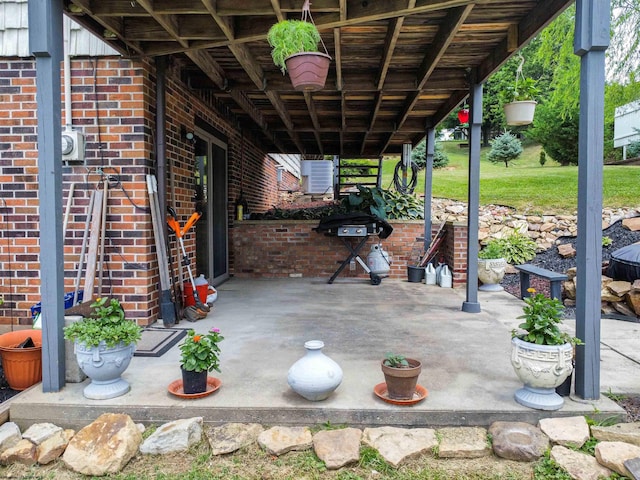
(385, 204)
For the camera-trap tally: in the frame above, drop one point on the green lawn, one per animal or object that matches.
(525, 184)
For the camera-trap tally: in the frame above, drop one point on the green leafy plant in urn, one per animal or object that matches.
(541, 353)
(104, 344)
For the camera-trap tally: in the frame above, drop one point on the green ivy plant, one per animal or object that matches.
(106, 324)
(289, 37)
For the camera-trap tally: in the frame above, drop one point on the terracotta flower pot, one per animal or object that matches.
(308, 70)
(401, 382)
(22, 366)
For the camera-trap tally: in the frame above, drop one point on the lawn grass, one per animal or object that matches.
(525, 185)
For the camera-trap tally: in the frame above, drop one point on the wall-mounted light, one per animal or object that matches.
(188, 135)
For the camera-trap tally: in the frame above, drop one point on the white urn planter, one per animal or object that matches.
(490, 273)
(104, 366)
(520, 112)
(315, 376)
(541, 368)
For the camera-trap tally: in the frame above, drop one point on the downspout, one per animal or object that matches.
(67, 74)
(161, 144)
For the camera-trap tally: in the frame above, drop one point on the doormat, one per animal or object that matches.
(156, 341)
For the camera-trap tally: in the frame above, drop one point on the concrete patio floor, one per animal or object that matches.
(466, 360)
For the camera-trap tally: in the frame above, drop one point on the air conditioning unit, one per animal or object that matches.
(72, 145)
(317, 176)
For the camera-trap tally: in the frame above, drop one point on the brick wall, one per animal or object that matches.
(290, 248)
(113, 103)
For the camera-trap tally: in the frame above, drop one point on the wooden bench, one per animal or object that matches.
(555, 279)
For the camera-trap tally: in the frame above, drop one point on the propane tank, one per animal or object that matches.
(378, 260)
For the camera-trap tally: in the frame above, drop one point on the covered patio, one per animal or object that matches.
(399, 68)
(466, 360)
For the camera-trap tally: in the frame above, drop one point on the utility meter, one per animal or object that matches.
(72, 145)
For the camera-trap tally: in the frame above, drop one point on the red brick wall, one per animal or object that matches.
(291, 248)
(113, 103)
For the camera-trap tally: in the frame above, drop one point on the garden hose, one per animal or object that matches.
(397, 178)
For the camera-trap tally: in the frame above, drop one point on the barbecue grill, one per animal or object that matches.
(358, 226)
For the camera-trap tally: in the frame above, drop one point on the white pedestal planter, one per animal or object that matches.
(104, 366)
(541, 368)
(490, 273)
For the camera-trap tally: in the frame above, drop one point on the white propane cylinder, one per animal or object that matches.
(378, 260)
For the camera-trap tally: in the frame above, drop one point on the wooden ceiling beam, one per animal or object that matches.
(338, 57)
(275, 4)
(168, 22)
(314, 119)
(393, 32)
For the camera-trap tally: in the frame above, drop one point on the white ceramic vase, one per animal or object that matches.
(541, 368)
(315, 376)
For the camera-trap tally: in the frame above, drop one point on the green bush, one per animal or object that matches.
(633, 150)
(517, 248)
(419, 156)
(543, 157)
(558, 136)
(491, 250)
(505, 148)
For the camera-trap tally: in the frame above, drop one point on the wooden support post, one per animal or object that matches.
(94, 238)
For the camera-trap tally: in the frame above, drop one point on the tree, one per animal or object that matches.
(419, 156)
(505, 148)
(624, 52)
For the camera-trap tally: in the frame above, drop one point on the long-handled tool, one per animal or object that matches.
(172, 221)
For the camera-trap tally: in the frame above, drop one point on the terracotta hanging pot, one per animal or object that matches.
(308, 70)
(22, 366)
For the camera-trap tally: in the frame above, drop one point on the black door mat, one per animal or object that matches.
(156, 341)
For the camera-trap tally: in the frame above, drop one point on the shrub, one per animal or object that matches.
(543, 158)
(558, 136)
(419, 156)
(633, 150)
(505, 148)
(517, 248)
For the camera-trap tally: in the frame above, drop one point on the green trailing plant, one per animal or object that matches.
(395, 361)
(199, 352)
(542, 319)
(517, 248)
(505, 148)
(491, 250)
(606, 241)
(289, 37)
(106, 324)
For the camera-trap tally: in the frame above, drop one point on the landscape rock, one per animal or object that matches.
(176, 436)
(104, 446)
(569, 288)
(9, 435)
(579, 465)
(607, 296)
(632, 224)
(54, 446)
(463, 442)
(279, 440)
(613, 455)
(23, 452)
(622, 308)
(39, 432)
(230, 437)
(620, 432)
(566, 431)
(566, 250)
(619, 287)
(337, 448)
(633, 301)
(635, 286)
(397, 445)
(518, 441)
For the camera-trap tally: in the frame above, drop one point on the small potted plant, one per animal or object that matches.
(104, 344)
(491, 266)
(294, 45)
(401, 376)
(518, 101)
(199, 356)
(542, 354)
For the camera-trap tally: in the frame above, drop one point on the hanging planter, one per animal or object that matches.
(518, 100)
(463, 115)
(295, 50)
